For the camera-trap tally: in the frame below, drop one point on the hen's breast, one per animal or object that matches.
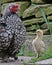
(16, 25)
(5, 38)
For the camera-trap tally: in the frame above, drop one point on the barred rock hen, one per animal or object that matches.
(12, 32)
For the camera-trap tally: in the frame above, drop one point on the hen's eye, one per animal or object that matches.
(10, 7)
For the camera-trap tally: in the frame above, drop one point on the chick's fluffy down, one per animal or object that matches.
(38, 45)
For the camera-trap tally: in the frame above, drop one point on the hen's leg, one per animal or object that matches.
(5, 59)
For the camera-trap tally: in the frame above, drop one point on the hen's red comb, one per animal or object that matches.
(14, 8)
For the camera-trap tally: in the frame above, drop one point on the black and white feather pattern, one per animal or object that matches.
(12, 35)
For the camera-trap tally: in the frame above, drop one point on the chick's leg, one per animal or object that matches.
(35, 51)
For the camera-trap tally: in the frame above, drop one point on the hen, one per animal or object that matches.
(12, 32)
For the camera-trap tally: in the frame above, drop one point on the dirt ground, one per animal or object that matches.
(26, 59)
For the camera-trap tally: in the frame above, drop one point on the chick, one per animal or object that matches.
(38, 44)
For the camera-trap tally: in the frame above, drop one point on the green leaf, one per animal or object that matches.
(22, 51)
(46, 20)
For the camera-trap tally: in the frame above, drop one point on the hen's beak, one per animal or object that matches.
(17, 6)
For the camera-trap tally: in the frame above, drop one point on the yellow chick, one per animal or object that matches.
(38, 44)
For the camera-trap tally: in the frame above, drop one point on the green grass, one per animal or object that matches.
(28, 53)
(24, 52)
(46, 55)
